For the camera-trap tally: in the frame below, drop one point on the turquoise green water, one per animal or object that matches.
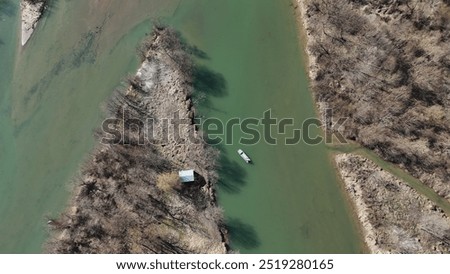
(52, 95)
(289, 201)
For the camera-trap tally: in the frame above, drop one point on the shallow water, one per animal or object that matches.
(289, 201)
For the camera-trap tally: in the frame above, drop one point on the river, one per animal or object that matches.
(53, 94)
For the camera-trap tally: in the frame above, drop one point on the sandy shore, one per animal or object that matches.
(30, 17)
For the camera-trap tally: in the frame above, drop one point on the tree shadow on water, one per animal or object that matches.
(232, 175)
(242, 235)
(190, 49)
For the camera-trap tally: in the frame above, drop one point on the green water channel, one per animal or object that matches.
(53, 92)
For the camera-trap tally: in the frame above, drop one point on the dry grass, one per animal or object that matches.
(385, 65)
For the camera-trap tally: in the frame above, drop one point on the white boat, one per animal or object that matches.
(244, 156)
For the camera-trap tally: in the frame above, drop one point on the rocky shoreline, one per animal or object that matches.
(30, 14)
(124, 202)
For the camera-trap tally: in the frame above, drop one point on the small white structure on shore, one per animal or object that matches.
(187, 176)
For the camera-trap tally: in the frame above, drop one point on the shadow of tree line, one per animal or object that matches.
(209, 82)
(232, 176)
(206, 82)
(8, 8)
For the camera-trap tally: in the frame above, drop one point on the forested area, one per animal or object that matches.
(386, 66)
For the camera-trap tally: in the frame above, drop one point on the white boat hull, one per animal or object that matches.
(244, 156)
